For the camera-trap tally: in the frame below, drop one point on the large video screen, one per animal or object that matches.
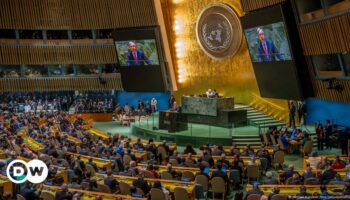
(274, 61)
(140, 59)
(137, 52)
(268, 43)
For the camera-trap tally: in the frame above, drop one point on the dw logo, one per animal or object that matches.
(18, 171)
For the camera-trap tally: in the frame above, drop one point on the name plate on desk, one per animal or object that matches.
(205, 106)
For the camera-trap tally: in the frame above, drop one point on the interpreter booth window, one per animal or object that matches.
(61, 70)
(36, 71)
(327, 65)
(7, 34)
(10, 71)
(87, 69)
(57, 35)
(81, 34)
(30, 34)
(346, 61)
(110, 68)
(104, 33)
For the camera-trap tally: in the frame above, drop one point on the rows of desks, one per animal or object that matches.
(329, 157)
(341, 172)
(30, 142)
(103, 135)
(245, 159)
(90, 195)
(295, 189)
(169, 184)
(101, 163)
(227, 149)
(61, 171)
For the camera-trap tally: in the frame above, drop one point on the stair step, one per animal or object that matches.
(252, 111)
(271, 124)
(244, 144)
(261, 119)
(256, 117)
(238, 106)
(267, 122)
(245, 136)
(254, 114)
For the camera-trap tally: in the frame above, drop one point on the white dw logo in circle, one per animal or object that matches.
(35, 171)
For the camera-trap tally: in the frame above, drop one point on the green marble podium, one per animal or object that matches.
(213, 111)
(205, 106)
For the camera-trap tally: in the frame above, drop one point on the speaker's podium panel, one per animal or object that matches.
(172, 121)
(205, 106)
(213, 111)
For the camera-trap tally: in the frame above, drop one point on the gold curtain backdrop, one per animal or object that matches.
(196, 71)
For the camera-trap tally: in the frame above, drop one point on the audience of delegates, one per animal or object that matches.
(94, 105)
(54, 131)
(295, 139)
(143, 108)
(35, 102)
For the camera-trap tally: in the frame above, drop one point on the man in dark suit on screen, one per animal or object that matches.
(267, 51)
(136, 57)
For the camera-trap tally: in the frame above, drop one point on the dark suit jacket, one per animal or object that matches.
(141, 59)
(271, 181)
(273, 52)
(329, 131)
(28, 193)
(63, 196)
(93, 165)
(142, 184)
(111, 183)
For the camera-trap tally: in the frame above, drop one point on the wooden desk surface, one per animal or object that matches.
(2, 154)
(329, 157)
(99, 133)
(32, 144)
(341, 172)
(172, 146)
(6, 184)
(245, 159)
(169, 184)
(101, 163)
(91, 194)
(295, 189)
(227, 149)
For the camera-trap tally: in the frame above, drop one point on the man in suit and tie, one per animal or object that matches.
(267, 51)
(136, 57)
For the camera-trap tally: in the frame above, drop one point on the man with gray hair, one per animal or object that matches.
(270, 179)
(267, 51)
(136, 57)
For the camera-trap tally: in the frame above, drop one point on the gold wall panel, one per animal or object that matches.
(231, 77)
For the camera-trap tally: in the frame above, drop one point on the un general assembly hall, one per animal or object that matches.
(174, 99)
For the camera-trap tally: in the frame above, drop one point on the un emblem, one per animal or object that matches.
(219, 31)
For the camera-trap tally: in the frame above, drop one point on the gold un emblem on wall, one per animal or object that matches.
(219, 31)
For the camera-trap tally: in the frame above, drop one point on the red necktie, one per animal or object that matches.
(265, 49)
(135, 57)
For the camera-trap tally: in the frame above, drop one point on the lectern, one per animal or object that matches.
(172, 121)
